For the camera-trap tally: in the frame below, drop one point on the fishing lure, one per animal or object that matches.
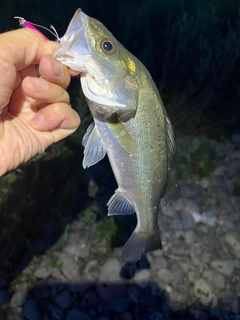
(27, 24)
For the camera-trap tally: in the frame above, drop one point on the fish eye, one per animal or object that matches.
(108, 46)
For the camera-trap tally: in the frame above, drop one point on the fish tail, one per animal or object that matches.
(140, 243)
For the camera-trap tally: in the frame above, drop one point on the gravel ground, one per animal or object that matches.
(195, 276)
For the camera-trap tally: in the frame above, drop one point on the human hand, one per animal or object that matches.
(34, 112)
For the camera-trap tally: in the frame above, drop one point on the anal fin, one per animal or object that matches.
(118, 204)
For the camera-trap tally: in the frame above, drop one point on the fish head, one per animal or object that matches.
(107, 76)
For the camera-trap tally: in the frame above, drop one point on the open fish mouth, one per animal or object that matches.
(73, 46)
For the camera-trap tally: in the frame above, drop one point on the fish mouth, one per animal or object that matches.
(73, 46)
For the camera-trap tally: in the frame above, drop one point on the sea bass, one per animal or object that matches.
(130, 125)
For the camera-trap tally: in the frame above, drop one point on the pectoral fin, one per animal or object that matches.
(118, 204)
(123, 137)
(94, 148)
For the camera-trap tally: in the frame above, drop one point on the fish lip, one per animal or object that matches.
(73, 46)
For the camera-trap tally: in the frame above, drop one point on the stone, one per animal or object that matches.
(69, 267)
(157, 263)
(192, 277)
(204, 183)
(187, 220)
(76, 314)
(224, 266)
(177, 205)
(189, 190)
(142, 278)
(233, 240)
(31, 310)
(119, 305)
(209, 218)
(111, 292)
(168, 211)
(199, 255)
(165, 275)
(204, 292)
(17, 299)
(197, 217)
(89, 300)
(189, 236)
(91, 270)
(179, 248)
(110, 271)
(64, 299)
(78, 245)
(215, 278)
(42, 272)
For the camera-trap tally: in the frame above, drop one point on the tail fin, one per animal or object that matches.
(140, 243)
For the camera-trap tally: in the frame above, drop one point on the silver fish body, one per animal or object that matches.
(130, 125)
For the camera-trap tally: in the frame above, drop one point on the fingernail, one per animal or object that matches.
(37, 120)
(40, 85)
(58, 69)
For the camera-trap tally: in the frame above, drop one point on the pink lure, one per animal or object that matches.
(30, 25)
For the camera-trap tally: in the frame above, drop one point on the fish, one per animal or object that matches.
(130, 125)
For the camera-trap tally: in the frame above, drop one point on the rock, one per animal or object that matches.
(197, 217)
(209, 218)
(142, 278)
(110, 292)
(189, 236)
(225, 267)
(119, 305)
(76, 314)
(69, 267)
(42, 271)
(31, 310)
(187, 220)
(91, 270)
(204, 183)
(64, 299)
(189, 190)
(168, 211)
(89, 300)
(110, 271)
(157, 263)
(4, 296)
(215, 278)
(179, 248)
(233, 240)
(192, 277)
(204, 292)
(177, 205)
(17, 299)
(165, 275)
(199, 255)
(78, 245)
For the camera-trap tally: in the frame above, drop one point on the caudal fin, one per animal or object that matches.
(138, 244)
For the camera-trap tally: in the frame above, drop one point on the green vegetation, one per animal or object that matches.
(107, 230)
(202, 161)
